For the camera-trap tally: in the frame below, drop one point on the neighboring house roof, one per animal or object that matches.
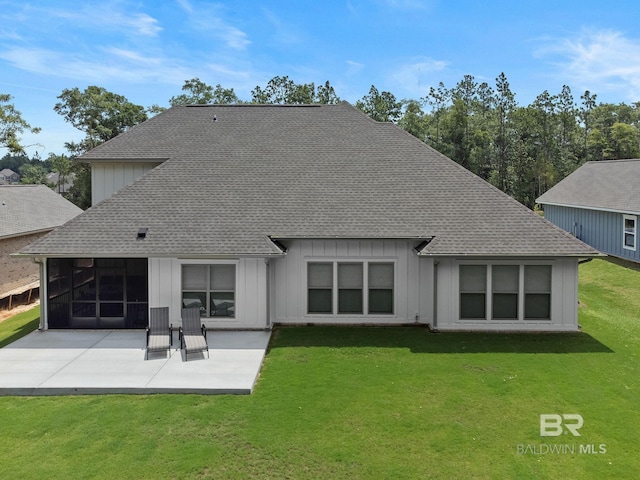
(607, 185)
(7, 173)
(26, 209)
(238, 176)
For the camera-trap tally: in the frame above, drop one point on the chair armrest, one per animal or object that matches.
(204, 331)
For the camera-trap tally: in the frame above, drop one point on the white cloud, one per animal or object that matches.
(598, 61)
(109, 17)
(113, 64)
(414, 78)
(208, 19)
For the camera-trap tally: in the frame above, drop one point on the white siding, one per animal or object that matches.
(564, 298)
(108, 178)
(251, 291)
(412, 288)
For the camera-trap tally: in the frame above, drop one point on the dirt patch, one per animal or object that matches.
(4, 314)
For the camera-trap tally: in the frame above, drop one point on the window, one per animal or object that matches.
(508, 292)
(537, 292)
(629, 233)
(320, 285)
(381, 288)
(473, 291)
(210, 288)
(350, 288)
(505, 279)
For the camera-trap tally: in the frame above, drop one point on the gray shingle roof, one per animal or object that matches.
(289, 172)
(28, 209)
(611, 185)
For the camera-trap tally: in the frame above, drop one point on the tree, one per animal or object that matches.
(33, 174)
(413, 120)
(12, 125)
(382, 107)
(438, 100)
(283, 90)
(588, 104)
(199, 93)
(100, 114)
(505, 104)
(62, 165)
(326, 94)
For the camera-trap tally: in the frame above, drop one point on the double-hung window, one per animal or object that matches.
(630, 231)
(212, 288)
(350, 287)
(505, 292)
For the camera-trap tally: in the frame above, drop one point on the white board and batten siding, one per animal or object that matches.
(564, 297)
(165, 290)
(108, 178)
(413, 281)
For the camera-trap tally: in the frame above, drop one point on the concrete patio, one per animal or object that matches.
(77, 362)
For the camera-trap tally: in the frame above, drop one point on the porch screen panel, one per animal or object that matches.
(505, 288)
(350, 288)
(320, 287)
(380, 288)
(537, 292)
(473, 292)
(223, 287)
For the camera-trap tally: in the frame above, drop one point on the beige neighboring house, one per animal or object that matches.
(27, 212)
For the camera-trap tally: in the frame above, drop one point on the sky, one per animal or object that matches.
(145, 50)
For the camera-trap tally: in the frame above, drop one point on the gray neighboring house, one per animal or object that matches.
(300, 214)
(27, 213)
(9, 176)
(599, 203)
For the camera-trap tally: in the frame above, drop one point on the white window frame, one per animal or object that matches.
(633, 231)
(365, 287)
(489, 292)
(209, 263)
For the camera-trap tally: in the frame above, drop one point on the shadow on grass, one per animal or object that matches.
(421, 340)
(20, 332)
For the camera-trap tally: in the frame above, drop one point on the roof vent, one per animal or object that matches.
(215, 119)
(142, 233)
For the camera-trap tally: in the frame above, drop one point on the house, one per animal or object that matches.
(27, 212)
(599, 203)
(9, 176)
(61, 187)
(278, 214)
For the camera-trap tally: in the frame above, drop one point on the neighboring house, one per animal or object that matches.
(265, 214)
(27, 212)
(599, 203)
(53, 178)
(9, 176)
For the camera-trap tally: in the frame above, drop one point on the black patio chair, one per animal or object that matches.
(192, 333)
(158, 331)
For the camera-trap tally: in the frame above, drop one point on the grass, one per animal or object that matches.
(18, 326)
(367, 403)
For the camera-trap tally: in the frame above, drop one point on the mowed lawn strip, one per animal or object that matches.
(361, 402)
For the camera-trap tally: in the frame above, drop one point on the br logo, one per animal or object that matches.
(554, 425)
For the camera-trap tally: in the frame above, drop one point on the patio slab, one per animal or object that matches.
(75, 362)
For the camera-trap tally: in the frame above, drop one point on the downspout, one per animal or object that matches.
(268, 293)
(44, 324)
(435, 295)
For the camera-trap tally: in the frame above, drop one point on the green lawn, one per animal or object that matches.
(369, 403)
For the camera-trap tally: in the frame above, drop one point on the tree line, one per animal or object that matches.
(522, 150)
